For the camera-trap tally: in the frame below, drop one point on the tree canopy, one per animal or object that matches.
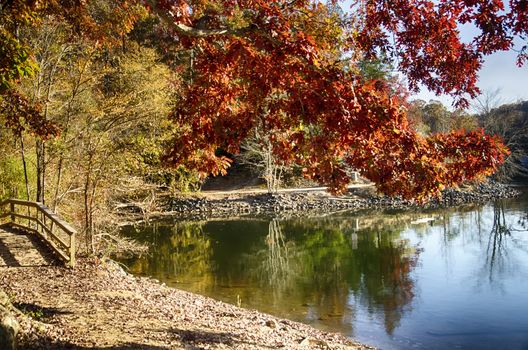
(294, 69)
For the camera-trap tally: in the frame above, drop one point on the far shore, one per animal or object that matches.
(303, 202)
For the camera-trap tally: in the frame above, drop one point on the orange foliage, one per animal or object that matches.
(274, 74)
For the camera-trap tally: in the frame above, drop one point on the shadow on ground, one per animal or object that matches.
(22, 245)
(190, 340)
(39, 312)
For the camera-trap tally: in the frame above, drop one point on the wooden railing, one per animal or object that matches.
(38, 218)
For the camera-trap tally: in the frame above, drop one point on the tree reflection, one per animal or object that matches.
(497, 252)
(339, 263)
(315, 270)
(495, 230)
(181, 250)
(385, 262)
(277, 260)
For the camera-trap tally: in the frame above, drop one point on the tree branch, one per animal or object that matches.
(200, 33)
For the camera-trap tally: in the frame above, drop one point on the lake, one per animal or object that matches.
(437, 279)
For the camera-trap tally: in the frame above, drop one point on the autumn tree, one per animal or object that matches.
(110, 103)
(250, 52)
(101, 22)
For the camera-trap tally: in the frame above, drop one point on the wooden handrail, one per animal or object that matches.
(43, 227)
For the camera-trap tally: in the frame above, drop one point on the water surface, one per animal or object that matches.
(444, 279)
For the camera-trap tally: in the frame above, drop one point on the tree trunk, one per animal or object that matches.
(41, 170)
(58, 183)
(23, 155)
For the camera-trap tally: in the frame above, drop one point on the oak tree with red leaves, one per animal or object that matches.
(292, 67)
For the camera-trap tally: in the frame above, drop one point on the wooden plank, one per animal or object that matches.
(59, 243)
(51, 244)
(62, 255)
(58, 240)
(22, 216)
(21, 202)
(55, 218)
(46, 211)
(53, 236)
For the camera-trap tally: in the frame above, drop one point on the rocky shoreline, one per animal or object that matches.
(213, 206)
(98, 305)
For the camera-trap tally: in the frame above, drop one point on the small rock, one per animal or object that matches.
(311, 342)
(272, 324)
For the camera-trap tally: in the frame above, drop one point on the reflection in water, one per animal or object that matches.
(277, 259)
(497, 250)
(181, 250)
(395, 280)
(502, 245)
(306, 269)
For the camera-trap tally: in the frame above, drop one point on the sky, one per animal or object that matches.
(499, 72)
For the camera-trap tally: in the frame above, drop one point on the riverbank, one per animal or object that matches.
(207, 205)
(98, 305)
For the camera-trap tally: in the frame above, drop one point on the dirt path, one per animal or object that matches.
(99, 306)
(22, 249)
(282, 190)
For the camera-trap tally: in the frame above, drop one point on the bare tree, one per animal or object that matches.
(488, 101)
(257, 152)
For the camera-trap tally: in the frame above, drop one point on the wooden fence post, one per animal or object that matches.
(72, 250)
(12, 209)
